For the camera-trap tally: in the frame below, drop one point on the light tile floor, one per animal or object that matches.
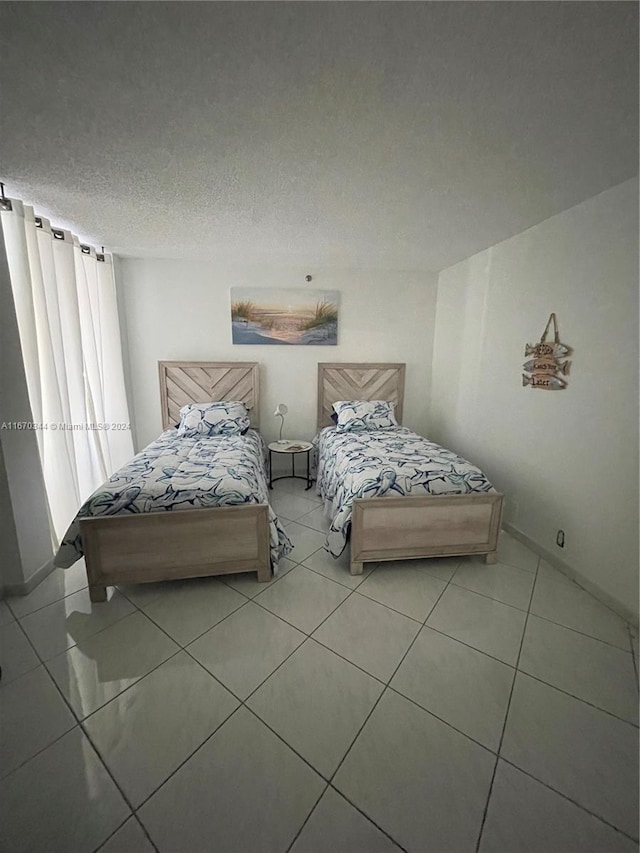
(437, 705)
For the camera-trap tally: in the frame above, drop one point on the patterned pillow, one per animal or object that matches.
(225, 418)
(362, 415)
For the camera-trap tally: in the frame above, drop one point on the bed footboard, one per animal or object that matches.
(161, 546)
(402, 528)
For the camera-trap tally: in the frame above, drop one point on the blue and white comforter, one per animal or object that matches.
(175, 472)
(394, 461)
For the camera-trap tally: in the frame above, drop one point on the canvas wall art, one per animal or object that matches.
(304, 317)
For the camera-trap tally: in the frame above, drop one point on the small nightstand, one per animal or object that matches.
(293, 447)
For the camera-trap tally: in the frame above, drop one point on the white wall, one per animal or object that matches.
(181, 310)
(565, 459)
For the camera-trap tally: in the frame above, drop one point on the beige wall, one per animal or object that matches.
(565, 459)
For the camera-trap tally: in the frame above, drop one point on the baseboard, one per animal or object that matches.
(597, 592)
(24, 588)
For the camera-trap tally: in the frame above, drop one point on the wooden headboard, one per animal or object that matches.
(184, 382)
(358, 382)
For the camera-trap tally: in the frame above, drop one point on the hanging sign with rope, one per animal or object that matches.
(547, 362)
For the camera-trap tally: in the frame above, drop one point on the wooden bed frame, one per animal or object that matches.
(159, 546)
(402, 528)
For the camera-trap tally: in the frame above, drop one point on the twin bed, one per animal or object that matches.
(399, 495)
(229, 527)
(396, 495)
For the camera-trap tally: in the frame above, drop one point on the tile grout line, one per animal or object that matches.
(42, 607)
(546, 618)
(40, 751)
(387, 683)
(356, 589)
(82, 639)
(400, 613)
(469, 646)
(376, 703)
(34, 650)
(506, 715)
(633, 653)
(134, 817)
(574, 583)
(61, 694)
(554, 687)
(146, 832)
(578, 698)
(78, 724)
(198, 636)
(490, 597)
(354, 806)
(306, 637)
(242, 703)
(582, 633)
(307, 818)
(388, 606)
(346, 660)
(117, 829)
(311, 637)
(351, 591)
(215, 731)
(366, 816)
(137, 808)
(134, 810)
(281, 516)
(442, 720)
(263, 722)
(113, 779)
(569, 799)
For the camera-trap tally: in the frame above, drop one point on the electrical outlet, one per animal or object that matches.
(560, 539)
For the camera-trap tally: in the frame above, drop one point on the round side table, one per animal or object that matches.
(293, 447)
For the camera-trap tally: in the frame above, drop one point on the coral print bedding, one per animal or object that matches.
(393, 461)
(183, 472)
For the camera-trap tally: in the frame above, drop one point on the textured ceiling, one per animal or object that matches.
(375, 135)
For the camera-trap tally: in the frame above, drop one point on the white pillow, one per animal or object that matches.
(364, 415)
(224, 418)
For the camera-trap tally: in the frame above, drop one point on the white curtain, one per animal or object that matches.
(67, 317)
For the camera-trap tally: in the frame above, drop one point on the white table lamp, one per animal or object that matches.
(280, 412)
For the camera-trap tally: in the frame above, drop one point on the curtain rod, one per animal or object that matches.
(5, 203)
(56, 233)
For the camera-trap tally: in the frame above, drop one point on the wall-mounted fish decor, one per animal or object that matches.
(546, 364)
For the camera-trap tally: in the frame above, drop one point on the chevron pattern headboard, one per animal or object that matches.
(358, 382)
(183, 382)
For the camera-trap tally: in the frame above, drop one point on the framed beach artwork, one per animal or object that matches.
(261, 315)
